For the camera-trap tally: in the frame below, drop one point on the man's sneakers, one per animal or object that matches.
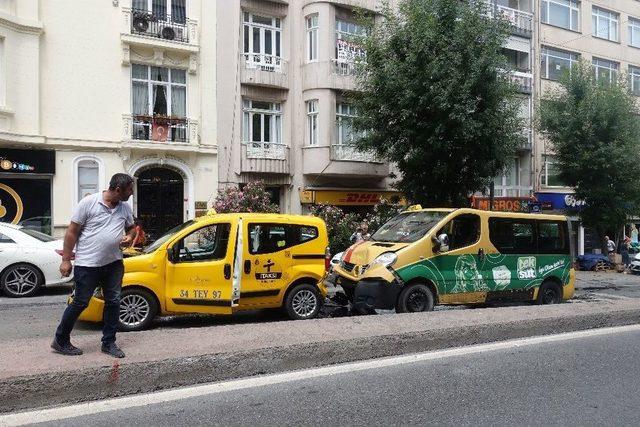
(112, 350)
(67, 349)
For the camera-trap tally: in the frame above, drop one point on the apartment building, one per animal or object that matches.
(89, 89)
(284, 70)
(606, 34)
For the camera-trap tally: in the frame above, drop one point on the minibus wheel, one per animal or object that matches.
(549, 293)
(138, 308)
(415, 298)
(303, 302)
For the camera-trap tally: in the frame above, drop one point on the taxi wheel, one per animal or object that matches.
(21, 280)
(415, 298)
(138, 308)
(549, 293)
(303, 302)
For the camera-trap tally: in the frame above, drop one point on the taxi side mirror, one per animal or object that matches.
(440, 243)
(173, 253)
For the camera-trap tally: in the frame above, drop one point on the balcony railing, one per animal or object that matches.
(266, 150)
(146, 23)
(159, 129)
(262, 62)
(344, 68)
(521, 20)
(523, 80)
(527, 139)
(351, 153)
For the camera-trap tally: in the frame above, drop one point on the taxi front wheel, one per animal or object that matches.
(138, 308)
(415, 298)
(303, 302)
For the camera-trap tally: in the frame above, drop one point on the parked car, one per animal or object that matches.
(29, 260)
(635, 264)
(38, 223)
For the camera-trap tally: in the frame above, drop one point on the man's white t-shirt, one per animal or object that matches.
(102, 229)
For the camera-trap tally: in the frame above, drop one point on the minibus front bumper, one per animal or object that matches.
(370, 293)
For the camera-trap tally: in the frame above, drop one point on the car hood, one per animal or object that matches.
(365, 252)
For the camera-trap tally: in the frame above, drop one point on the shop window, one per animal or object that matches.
(205, 244)
(88, 178)
(512, 236)
(269, 238)
(463, 230)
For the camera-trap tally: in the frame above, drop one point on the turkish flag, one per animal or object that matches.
(159, 131)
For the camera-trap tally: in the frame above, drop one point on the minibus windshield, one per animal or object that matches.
(408, 226)
(166, 236)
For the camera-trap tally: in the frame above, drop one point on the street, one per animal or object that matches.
(37, 317)
(580, 378)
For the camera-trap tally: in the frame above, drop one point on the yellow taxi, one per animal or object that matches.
(222, 264)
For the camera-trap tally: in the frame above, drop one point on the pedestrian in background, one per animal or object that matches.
(139, 237)
(611, 246)
(97, 231)
(361, 234)
(624, 252)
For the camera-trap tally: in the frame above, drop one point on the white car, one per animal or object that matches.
(28, 260)
(635, 264)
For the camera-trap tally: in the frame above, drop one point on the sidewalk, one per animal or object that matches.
(32, 376)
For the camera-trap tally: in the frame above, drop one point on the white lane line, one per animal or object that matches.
(90, 408)
(600, 294)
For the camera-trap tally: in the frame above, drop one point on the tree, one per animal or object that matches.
(252, 198)
(435, 98)
(594, 130)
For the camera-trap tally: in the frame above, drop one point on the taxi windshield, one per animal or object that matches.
(408, 226)
(166, 236)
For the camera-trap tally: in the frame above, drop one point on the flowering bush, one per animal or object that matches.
(252, 198)
(340, 225)
(382, 212)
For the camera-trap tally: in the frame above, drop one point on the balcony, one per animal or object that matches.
(333, 74)
(523, 80)
(159, 130)
(342, 161)
(521, 22)
(265, 157)
(147, 36)
(344, 68)
(527, 140)
(350, 153)
(263, 70)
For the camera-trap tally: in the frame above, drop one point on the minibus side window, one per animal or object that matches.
(553, 237)
(269, 238)
(463, 230)
(205, 244)
(513, 235)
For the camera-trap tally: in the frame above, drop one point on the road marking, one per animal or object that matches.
(134, 401)
(600, 294)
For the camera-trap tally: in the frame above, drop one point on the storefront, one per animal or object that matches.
(25, 187)
(358, 201)
(584, 239)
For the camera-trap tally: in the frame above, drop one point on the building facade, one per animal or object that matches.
(96, 88)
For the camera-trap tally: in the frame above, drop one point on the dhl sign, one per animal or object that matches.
(348, 198)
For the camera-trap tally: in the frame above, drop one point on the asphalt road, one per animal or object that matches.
(38, 316)
(584, 378)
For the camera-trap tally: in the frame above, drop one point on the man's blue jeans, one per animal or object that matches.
(87, 279)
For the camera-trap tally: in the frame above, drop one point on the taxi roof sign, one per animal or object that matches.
(414, 208)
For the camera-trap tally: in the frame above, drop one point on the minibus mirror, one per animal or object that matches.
(173, 253)
(443, 242)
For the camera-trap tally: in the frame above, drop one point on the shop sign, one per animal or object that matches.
(561, 201)
(27, 161)
(348, 198)
(27, 202)
(503, 204)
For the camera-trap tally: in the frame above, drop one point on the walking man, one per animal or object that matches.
(97, 230)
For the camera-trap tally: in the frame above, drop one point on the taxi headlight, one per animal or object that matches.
(387, 259)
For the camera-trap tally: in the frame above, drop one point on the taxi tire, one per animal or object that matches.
(549, 293)
(153, 309)
(299, 290)
(404, 303)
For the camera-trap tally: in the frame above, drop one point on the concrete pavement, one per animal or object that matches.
(32, 376)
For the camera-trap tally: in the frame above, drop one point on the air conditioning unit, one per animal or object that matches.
(172, 33)
(140, 22)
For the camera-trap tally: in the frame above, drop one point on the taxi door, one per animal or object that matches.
(199, 275)
(266, 261)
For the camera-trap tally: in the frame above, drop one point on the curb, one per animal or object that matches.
(48, 389)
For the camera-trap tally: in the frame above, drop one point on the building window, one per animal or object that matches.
(555, 62)
(508, 184)
(605, 24)
(348, 51)
(165, 10)
(634, 80)
(312, 122)
(262, 129)
(604, 70)
(345, 114)
(561, 13)
(634, 32)
(262, 41)
(312, 37)
(159, 98)
(551, 172)
(88, 173)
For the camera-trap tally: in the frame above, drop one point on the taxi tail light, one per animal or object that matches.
(61, 253)
(327, 259)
